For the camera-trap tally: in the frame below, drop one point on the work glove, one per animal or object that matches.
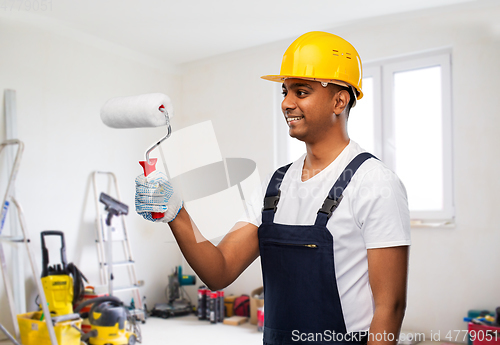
(154, 193)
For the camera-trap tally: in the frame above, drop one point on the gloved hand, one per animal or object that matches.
(154, 193)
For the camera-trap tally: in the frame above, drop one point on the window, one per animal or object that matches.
(404, 118)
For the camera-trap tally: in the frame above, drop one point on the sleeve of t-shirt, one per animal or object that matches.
(253, 205)
(381, 209)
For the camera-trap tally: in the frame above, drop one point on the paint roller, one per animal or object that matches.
(148, 110)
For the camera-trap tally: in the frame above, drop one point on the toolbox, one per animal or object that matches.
(229, 305)
(483, 334)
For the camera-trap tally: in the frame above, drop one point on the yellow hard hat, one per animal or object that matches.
(323, 57)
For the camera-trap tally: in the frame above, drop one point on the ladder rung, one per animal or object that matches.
(4, 238)
(105, 240)
(125, 288)
(121, 263)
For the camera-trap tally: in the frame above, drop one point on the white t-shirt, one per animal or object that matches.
(372, 214)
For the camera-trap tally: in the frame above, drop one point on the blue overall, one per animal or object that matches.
(300, 285)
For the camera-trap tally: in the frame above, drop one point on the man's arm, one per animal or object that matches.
(216, 266)
(387, 271)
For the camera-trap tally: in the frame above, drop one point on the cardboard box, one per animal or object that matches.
(255, 304)
(235, 320)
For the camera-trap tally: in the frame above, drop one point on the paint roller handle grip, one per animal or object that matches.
(148, 168)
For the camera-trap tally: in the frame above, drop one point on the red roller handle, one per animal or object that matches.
(148, 169)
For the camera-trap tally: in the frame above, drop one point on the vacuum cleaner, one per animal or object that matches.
(110, 322)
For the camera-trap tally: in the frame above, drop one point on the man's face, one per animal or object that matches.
(308, 109)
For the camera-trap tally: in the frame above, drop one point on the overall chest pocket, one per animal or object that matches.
(289, 261)
(299, 276)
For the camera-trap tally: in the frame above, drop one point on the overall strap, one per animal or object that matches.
(273, 194)
(335, 195)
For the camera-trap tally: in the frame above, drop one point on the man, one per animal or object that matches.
(333, 234)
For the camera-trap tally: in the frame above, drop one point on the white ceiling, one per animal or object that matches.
(186, 30)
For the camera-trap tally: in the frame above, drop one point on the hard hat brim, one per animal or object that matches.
(277, 78)
(281, 79)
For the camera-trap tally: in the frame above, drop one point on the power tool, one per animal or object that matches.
(56, 281)
(62, 283)
(110, 322)
(177, 305)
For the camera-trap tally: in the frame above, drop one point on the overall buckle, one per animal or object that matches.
(329, 205)
(271, 202)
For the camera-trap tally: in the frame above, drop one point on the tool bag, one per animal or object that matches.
(242, 306)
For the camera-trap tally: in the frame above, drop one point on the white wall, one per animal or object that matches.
(227, 90)
(451, 270)
(61, 81)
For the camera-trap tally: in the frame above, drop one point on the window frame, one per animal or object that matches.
(385, 134)
(375, 72)
(382, 72)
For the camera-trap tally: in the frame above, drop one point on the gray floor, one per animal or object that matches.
(190, 330)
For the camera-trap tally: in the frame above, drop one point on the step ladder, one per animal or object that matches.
(104, 248)
(8, 199)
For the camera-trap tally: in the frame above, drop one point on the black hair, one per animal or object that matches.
(352, 96)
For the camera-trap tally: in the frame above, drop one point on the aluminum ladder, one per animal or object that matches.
(8, 199)
(103, 249)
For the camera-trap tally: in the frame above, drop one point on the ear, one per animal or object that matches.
(341, 101)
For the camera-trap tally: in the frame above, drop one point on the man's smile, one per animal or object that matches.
(291, 120)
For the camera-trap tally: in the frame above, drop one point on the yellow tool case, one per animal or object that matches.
(35, 332)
